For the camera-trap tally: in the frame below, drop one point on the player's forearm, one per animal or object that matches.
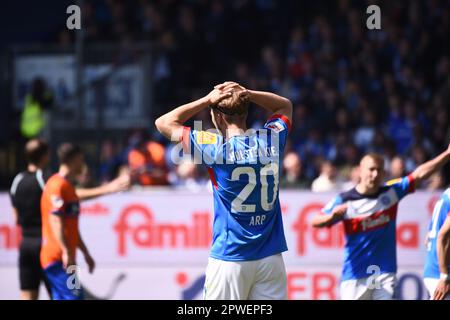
(270, 101)
(57, 226)
(443, 252)
(177, 117)
(89, 193)
(82, 245)
(322, 220)
(426, 169)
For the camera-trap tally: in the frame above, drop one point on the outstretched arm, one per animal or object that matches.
(426, 169)
(121, 183)
(327, 220)
(171, 124)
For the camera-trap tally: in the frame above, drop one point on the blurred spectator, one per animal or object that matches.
(292, 168)
(35, 118)
(327, 180)
(352, 180)
(397, 168)
(146, 161)
(364, 135)
(110, 161)
(435, 182)
(188, 175)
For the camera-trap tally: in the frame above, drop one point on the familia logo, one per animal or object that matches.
(145, 232)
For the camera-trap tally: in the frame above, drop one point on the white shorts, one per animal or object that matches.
(376, 287)
(431, 284)
(263, 279)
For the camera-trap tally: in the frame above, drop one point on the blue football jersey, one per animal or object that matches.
(245, 172)
(440, 213)
(370, 228)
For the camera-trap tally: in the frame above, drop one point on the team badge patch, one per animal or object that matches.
(275, 126)
(205, 137)
(57, 202)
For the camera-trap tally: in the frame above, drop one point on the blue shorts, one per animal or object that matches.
(63, 286)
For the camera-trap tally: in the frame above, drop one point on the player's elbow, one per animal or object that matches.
(287, 108)
(288, 103)
(159, 124)
(444, 236)
(163, 126)
(168, 127)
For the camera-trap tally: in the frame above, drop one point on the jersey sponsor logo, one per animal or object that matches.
(378, 220)
(205, 137)
(373, 223)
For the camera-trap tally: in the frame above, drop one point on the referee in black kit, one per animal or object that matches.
(26, 191)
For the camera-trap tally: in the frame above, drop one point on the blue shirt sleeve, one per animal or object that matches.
(337, 200)
(402, 186)
(279, 127)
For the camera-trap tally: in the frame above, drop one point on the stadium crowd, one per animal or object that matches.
(354, 90)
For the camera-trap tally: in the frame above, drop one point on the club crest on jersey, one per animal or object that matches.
(275, 126)
(57, 202)
(205, 137)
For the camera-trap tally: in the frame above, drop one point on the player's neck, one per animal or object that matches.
(65, 172)
(362, 189)
(32, 167)
(235, 130)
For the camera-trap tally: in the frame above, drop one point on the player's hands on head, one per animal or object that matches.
(442, 290)
(231, 85)
(216, 95)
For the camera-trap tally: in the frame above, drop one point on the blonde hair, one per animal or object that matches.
(235, 105)
(375, 157)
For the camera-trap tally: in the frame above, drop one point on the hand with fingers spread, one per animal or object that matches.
(217, 95)
(230, 85)
(442, 290)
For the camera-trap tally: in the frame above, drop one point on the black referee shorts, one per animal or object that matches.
(30, 271)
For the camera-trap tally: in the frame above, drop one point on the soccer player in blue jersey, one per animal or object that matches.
(248, 237)
(437, 265)
(369, 212)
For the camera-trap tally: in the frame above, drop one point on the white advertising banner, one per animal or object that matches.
(155, 244)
